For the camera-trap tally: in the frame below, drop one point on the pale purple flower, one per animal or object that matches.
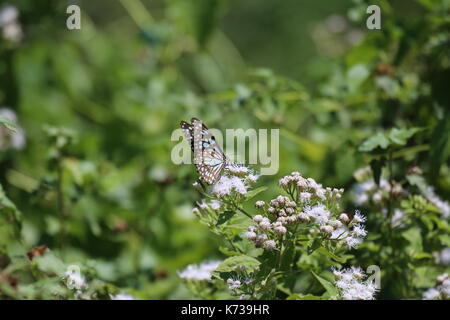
(319, 213)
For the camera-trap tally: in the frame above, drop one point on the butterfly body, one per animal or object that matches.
(209, 158)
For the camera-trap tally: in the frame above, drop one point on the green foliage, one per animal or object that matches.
(86, 118)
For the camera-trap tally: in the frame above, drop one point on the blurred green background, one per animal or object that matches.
(94, 181)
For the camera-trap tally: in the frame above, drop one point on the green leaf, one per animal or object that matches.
(356, 75)
(232, 263)
(331, 255)
(328, 286)
(414, 238)
(314, 245)
(379, 140)
(225, 216)
(49, 263)
(418, 181)
(251, 194)
(299, 296)
(400, 136)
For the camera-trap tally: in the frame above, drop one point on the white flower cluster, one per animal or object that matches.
(213, 204)
(74, 279)
(242, 285)
(226, 185)
(368, 191)
(11, 29)
(15, 140)
(352, 286)
(307, 188)
(305, 206)
(352, 231)
(441, 291)
(199, 272)
(434, 199)
(237, 180)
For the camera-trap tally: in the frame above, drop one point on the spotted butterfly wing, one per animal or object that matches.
(209, 159)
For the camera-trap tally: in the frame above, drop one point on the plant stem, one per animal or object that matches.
(244, 212)
(60, 204)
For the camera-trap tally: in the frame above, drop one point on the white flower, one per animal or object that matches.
(199, 272)
(397, 218)
(237, 169)
(353, 242)
(8, 15)
(359, 230)
(233, 284)
(344, 217)
(265, 224)
(258, 218)
(305, 197)
(351, 284)
(443, 257)
(259, 204)
(203, 205)
(320, 193)
(303, 217)
(269, 244)
(227, 184)
(319, 213)
(358, 217)
(327, 229)
(252, 178)
(441, 291)
(74, 279)
(250, 235)
(377, 197)
(12, 30)
(122, 296)
(215, 204)
(431, 294)
(339, 233)
(442, 205)
(280, 230)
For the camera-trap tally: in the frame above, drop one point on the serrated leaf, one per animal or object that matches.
(400, 136)
(379, 140)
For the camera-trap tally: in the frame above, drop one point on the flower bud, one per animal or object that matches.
(326, 229)
(258, 218)
(344, 217)
(250, 235)
(269, 244)
(280, 230)
(303, 217)
(259, 204)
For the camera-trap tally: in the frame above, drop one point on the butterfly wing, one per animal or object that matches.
(209, 158)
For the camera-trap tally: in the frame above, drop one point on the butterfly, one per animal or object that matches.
(209, 158)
